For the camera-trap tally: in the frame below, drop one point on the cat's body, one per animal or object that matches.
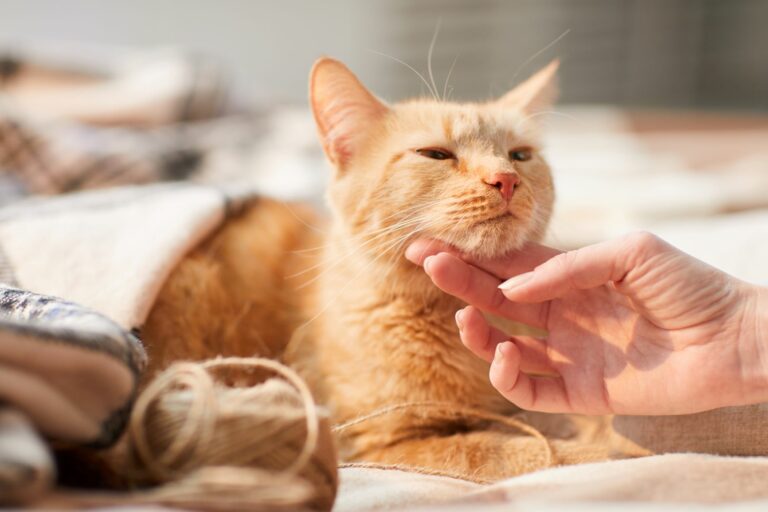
(365, 327)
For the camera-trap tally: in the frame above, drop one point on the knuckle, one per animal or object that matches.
(641, 246)
(498, 300)
(643, 240)
(562, 266)
(499, 382)
(559, 263)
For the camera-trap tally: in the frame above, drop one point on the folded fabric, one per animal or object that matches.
(80, 274)
(26, 467)
(73, 372)
(109, 250)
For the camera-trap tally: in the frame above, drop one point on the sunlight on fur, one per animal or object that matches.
(341, 305)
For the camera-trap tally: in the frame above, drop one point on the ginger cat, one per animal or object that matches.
(365, 327)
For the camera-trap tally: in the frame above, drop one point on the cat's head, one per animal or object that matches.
(470, 174)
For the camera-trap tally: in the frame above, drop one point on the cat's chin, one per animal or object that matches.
(492, 239)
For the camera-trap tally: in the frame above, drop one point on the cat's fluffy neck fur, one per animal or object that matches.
(384, 274)
(369, 311)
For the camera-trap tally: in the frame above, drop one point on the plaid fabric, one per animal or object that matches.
(35, 322)
(51, 161)
(51, 157)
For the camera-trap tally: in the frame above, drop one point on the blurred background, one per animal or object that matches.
(671, 53)
(663, 122)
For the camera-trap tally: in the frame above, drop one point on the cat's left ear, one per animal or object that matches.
(536, 94)
(343, 108)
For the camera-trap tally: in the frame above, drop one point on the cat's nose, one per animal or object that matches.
(505, 182)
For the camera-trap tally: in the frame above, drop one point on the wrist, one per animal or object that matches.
(755, 336)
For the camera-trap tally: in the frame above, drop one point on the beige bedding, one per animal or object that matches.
(660, 483)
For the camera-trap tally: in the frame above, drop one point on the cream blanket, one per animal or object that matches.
(660, 483)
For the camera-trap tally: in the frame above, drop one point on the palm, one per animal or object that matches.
(609, 355)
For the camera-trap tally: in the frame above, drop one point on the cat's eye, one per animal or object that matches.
(436, 153)
(521, 154)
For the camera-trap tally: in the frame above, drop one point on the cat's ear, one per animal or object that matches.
(536, 94)
(343, 109)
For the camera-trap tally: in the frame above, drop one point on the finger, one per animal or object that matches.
(582, 269)
(422, 248)
(479, 288)
(511, 264)
(481, 339)
(477, 335)
(542, 394)
(502, 267)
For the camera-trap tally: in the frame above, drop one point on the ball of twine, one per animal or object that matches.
(213, 446)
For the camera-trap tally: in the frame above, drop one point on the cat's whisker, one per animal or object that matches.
(356, 249)
(403, 240)
(344, 288)
(547, 47)
(365, 233)
(441, 235)
(556, 113)
(379, 233)
(302, 221)
(400, 240)
(409, 209)
(448, 78)
(310, 249)
(397, 253)
(429, 87)
(429, 58)
(424, 206)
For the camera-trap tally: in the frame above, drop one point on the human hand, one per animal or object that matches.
(634, 325)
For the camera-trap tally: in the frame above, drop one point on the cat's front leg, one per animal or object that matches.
(482, 456)
(480, 450)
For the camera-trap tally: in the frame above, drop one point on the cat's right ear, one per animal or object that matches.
(343, 109)
(536, 94)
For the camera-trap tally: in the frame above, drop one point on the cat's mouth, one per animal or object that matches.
(490, 237)
(496, 219)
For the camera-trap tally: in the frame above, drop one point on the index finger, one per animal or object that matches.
(479, 288)
(503, 267)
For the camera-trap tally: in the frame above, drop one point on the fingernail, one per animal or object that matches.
(412, 254)
(460, 318)
(428, 263)
(502, 349)
(516, 281)
(499, 355)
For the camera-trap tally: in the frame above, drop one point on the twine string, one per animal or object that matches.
(458, 411)
(185, 422)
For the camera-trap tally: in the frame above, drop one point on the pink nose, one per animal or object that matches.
(504, 181)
